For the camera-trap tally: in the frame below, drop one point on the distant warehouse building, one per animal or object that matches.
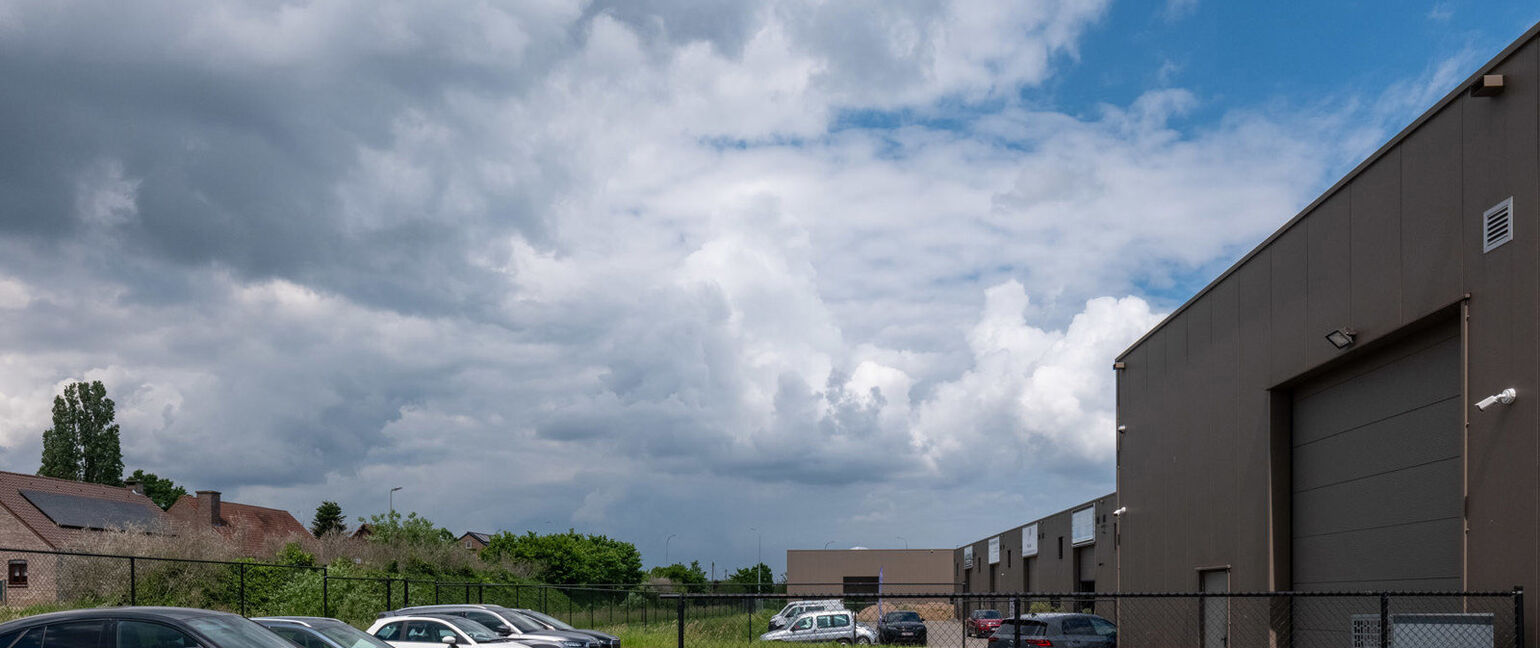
(1309, 420)
(1073, 550)
(844, 572)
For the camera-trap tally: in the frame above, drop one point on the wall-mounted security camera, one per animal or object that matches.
(1504, 397)
(1121, 510)
(1122, 428)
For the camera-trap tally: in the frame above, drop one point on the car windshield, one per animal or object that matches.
(903, 617)
(987, 614)
(1028, 629)
(347, 636)
(546, 619)
(235, 632)
(477, 632)
(523, 623)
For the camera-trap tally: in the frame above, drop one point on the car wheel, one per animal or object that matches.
(863, 641)
(842, 641)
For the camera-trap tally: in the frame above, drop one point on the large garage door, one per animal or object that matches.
(1376, 471)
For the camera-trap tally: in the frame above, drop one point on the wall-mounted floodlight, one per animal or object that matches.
(1121, 510)
(1341, 338)
(1122, 428)
(1487, 85)
(1504, 397)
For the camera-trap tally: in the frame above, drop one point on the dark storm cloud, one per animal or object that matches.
(236, 162)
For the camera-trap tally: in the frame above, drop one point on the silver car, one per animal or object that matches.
(795, 609)
(821, 627)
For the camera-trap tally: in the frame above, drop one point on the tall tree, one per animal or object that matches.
(757, 576)
(161, 491)
(571, 557)
(83, 443)
(328, 519)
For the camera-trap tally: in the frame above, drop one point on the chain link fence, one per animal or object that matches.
(1096, 620)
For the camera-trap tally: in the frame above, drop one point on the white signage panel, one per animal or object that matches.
(1029, 540)
(1083, 525)
(968, 557)
(994, 550)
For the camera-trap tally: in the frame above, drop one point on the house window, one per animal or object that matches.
(16, 573)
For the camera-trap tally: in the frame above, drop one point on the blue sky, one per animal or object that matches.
(647, 267)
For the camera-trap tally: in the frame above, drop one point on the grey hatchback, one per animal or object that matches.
(1058, 629)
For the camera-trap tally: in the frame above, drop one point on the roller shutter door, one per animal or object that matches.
(1376, 471)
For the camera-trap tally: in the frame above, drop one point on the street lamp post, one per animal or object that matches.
(392, 499)
(759, 559)
(906, 541)
(665, 548)
(826, 544)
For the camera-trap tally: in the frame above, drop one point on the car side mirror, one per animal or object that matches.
(503, 630)
(450, 640)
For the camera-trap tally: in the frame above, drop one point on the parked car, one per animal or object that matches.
(901, 626)
(1056, 629)
(433, 631)
(982, 622)
(819, 627)
(606, 640)
(795, 609)
(319, 632)
(508, 623)
(139, 627)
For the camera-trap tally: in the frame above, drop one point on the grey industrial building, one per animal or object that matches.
(1307, 421)
(1070, 551)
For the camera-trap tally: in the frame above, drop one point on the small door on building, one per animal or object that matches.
(1216, 609)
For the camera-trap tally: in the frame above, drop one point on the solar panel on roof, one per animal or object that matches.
(93, 513)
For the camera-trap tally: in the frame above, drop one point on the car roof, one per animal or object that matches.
(306, 621)
(131, 612)
(1049, 616)
(420, 615)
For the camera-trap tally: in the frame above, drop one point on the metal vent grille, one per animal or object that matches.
(1497, 225)
(1366, 631)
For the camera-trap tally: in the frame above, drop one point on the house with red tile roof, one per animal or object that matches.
(475, 540)
(257, 531)
(44, 513)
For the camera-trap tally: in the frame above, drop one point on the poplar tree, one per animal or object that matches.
(83, 444)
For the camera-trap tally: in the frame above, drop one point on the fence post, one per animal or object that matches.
(1384, 620)
(1015, 623)
(406, 592)
(325, 591)
(243, 589)
(681, 622)
(435, 592)
(1518, 616)
(961, 606)
(545, 601)
(133, 583)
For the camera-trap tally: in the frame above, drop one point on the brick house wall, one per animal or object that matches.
(42, 569)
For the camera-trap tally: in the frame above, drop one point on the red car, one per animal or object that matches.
(982, 623)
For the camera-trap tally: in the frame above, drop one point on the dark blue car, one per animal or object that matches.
(137, 627)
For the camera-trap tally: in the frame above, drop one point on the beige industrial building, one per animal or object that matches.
(842, 572)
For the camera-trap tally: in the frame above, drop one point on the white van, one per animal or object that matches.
(795, 609)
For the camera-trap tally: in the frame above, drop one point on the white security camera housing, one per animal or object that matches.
(1504, 397)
